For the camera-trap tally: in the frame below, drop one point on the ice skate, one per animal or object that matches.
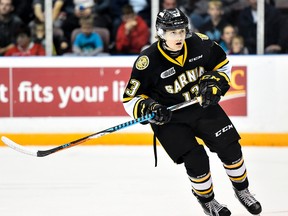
(248, 201)
(213, 208)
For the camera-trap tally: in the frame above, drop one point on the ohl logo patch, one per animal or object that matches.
(235, 100)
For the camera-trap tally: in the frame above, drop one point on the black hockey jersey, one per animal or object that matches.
(170, 80)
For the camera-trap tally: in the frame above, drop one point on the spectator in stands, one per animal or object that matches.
(87, 42)
(38, 10)
(24, 10)
(24, 45)
(73, 11)
(168, 4)
(197, 12)
(275, 31)
(237, 46)
(58, 10)
(143, 9)
(102, 16)
(232, 8)
(133, 33)
(227, 34)
(181, 4)
(60, 43)
(214, 26)
(138, 5)
(38, 34)
(116, 14)
(8, 25)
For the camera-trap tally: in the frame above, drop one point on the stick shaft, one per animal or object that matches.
(43, 153)
(113, 129)
(95, 135)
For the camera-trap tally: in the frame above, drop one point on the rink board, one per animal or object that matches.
(40, 106)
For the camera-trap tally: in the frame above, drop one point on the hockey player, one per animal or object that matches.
(178, 67)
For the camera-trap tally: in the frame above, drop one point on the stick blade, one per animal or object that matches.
(18, 147)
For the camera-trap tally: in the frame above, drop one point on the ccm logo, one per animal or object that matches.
(223, 130)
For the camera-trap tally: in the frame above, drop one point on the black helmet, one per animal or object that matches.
(170, 19)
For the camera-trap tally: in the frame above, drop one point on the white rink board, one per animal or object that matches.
(266, 92)
(109, 181)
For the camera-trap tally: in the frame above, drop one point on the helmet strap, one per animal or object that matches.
(169, 52)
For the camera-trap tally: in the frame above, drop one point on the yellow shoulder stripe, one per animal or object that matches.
(221, 64)
(127, 99)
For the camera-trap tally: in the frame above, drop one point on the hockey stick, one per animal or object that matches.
(43, 153)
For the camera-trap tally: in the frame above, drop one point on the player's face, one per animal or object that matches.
(175, 39)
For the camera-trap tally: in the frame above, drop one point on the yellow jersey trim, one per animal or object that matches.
(171, 59)
(127, 99)
(221, 64)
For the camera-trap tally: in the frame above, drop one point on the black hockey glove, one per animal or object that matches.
(210, 94)
(211, 87)
(162, 113)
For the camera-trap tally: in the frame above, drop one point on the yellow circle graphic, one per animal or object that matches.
(142, 62)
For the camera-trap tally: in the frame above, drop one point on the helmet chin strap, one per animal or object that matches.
(170, 52)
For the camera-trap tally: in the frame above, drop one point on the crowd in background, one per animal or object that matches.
(123, 27)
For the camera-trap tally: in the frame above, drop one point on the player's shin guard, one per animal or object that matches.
(236, 171)
(238, 176)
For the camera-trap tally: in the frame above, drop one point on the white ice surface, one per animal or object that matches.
(122, 181)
